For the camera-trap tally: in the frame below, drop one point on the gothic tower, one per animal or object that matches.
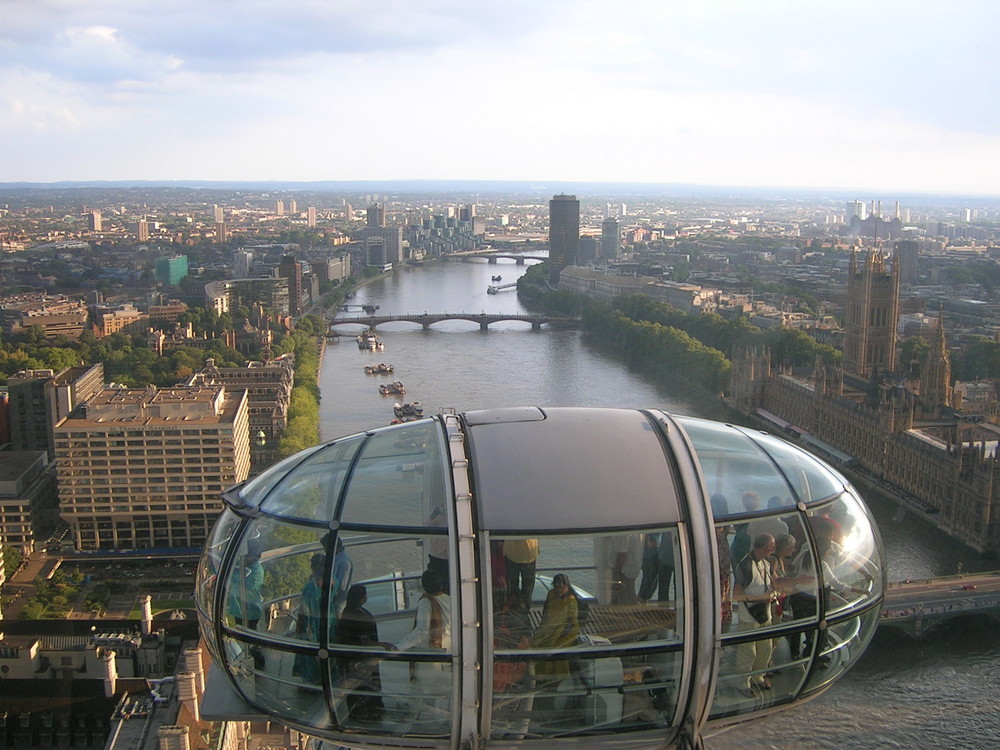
(872, 313)
(935, 379)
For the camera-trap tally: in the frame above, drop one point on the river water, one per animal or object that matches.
(941, 691)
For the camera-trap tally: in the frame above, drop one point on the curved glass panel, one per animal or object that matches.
(312, 490)
(591, 694)
(417, 697)
(744, 686)
(810, 480)
(256, 488)
(289, 591)
(210, 562)
(771, 583)
(244, 593)
(739, 475)
(572, 596)
(383, 594)
(399, 479)
(848, 547)
(839, 646)
(268, 678)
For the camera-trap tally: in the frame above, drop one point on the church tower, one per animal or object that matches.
(872, 313)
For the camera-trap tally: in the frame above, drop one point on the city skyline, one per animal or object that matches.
(844, 96)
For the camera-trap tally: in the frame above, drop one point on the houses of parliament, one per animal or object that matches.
(899, 426)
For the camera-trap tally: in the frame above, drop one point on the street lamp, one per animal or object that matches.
(261, 439)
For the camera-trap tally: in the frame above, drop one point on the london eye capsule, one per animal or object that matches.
(523, 576)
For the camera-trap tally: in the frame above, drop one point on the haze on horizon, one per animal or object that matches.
(842, 95)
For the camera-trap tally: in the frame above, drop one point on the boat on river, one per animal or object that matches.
(498, 278)
(408, 411)
(379, 369)
(395, 386)
(370, 340)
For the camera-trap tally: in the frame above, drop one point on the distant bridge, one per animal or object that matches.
(915, 605)
(492, 256)
(484, 319)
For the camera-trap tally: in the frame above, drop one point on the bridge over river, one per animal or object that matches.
(483, 319)
(915, 605)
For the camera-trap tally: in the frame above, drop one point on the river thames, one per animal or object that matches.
(941, 691)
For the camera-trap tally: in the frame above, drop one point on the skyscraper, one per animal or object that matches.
(376, 216)
(611, 238)
(94, 221)
(564, 233)
(291, 269)
(311, 216)
(279, 208)
(872, 313)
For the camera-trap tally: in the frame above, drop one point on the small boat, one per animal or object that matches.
(408, 411)
(394, 387)
(370, 340)
(380, 369)
(498, 278)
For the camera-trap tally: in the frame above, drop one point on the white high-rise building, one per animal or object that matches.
(857, 208)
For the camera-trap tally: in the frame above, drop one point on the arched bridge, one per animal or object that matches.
(916, 605)
(484, 319)
(493, 255)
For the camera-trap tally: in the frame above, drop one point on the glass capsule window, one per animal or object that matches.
(522, 575)
(560, 603)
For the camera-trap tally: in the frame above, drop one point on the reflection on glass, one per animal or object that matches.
(311, 492)
(256, 488)
(810, 480)
(847, 545)
(211, 560)
(840, 645)
(588, 591)
(399, 478)
(779, 682)
(739, 475)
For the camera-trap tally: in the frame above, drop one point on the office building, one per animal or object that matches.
(140, 468)
(38, 399)
(564, 234)
(270, 292)
(375, 216)
(856, 211)
(269, 390)
(611, 238)
(28, 500)
(291, 269)
(907, 255)
(55, 315)
(171, 270)
(242, 263)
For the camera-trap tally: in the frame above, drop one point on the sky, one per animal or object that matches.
(877, 95)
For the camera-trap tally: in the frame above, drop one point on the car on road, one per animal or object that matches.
(968, 586)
